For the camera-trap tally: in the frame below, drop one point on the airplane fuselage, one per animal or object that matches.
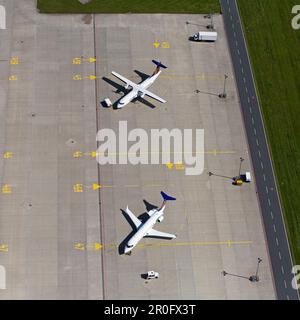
(143, 229)
(135, 92)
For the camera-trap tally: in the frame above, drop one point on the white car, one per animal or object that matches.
(152, 275)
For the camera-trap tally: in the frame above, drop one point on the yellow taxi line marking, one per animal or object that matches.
(79, 187)
(94, 154)
(98, 246)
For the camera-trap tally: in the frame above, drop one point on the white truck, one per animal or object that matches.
(205, 36)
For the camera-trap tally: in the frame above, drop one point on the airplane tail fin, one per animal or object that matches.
(167, 197)
(159, 64)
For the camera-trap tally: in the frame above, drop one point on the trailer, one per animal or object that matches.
(205, 36)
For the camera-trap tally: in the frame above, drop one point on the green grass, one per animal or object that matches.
(124, 6)
(274, 49)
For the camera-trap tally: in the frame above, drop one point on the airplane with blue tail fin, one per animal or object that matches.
(146, 229)
(140, 90)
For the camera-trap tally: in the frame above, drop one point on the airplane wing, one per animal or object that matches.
(154, 96)
(127, 81)
(159, 234)
(133, 218)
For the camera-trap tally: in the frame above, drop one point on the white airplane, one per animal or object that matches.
(145, 229)
(140, 90)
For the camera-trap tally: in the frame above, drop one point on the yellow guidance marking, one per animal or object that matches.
(156, 44)
(170, 165)
(201, 76)
(77, 154)
(90, 246)
(13, 78)
(179, 166)
(228, 243)
(93, 154)
(76, 61)
(94, 246)
(6, 189)
(78, 188)
(214, 152)
(165, 45)
(92, 77)
(14, 61)
(96, 186)
(91, 60)
(79, 246)
(3, 247)
(7, 155)
(77, 77)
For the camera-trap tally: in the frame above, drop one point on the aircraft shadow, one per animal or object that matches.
(122, 245)
(142, 75)
(149, 206)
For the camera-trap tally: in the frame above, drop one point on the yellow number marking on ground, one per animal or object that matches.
(76, 61)
(77, 154)
(78, 188)
(179, 166)
(7, 155)
(165, 45)
(6, 189)
(3, 247)
(13, 78)
(14, 60)
(79, 246)
(77, 77)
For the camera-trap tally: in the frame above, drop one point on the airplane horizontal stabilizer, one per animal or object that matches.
(159, 64)
(167, 197)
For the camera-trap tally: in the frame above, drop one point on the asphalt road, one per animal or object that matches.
(266, 187)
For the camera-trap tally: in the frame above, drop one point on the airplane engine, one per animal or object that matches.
(141, 94)
(127, 86)
(160, 219)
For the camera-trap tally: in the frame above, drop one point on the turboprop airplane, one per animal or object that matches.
(145, 229)
(140, 90)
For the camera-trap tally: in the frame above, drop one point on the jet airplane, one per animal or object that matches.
(145, 229)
